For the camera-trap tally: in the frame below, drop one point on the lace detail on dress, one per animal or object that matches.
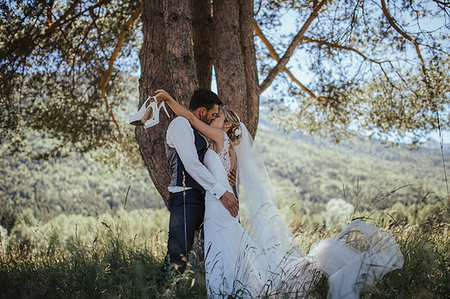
(224, 154)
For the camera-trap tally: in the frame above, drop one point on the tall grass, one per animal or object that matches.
(86, 257)
(426, 249)
(121, 255)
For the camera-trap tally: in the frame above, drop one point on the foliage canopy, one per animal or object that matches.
(377, 68)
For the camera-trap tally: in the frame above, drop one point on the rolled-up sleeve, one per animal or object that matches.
(181, 137)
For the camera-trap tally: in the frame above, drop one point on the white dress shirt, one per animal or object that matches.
(180, 136)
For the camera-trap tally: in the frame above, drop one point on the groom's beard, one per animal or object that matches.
(206, 120)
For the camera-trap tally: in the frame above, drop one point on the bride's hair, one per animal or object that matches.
(234, 133)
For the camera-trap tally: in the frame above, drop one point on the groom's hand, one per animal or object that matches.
(230, 203)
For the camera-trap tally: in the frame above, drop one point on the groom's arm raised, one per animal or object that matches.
(181, 137)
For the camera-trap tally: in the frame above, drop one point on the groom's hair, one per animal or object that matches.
(204, 98)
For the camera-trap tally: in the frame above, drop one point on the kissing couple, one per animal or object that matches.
(250, 252)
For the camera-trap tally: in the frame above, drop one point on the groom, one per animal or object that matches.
(190, 179)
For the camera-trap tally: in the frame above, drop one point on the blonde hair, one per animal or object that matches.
(234, 133)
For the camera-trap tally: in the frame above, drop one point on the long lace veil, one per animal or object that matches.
(355, 259)
(258, 205)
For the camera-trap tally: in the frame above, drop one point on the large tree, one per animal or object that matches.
(375, 67)
(178, 53)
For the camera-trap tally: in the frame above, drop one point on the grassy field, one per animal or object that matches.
(119, 256)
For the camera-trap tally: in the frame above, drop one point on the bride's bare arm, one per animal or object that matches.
(212, 133)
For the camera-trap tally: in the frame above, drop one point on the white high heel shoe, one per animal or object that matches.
(140, 117)
(154, 120)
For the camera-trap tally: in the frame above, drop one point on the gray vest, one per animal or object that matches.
(179, 176)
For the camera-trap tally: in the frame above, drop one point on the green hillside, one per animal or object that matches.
(76, 184)
(361, 172)
(306, 173)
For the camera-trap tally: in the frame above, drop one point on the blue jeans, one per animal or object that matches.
(187, 210)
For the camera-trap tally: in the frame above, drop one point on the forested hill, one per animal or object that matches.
(306, 170)
(364, 173)
(77, 184)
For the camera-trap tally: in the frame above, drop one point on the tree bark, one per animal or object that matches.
(167, 62)
(180, 51)
(228, 59)
(203, 34)
(250, 69)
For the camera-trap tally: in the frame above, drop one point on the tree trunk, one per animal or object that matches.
(173, 31)
(203, 34)
(251, 71)
(180, 51)
(167, 62)
(228, 60)
(235, 60)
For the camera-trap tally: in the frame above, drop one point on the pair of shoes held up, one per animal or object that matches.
(148, 115)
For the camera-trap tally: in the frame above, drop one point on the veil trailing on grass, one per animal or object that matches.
(358, 257)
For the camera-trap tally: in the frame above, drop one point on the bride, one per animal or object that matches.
(261, 257)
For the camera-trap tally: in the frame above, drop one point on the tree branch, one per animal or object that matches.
(337, 46)
(52, 26)
(287, 55)
(108, 74)
(392, 22)
(58, 22)
(445, 4)
(91, 8)
(277, 58)
(259, 8)
(50, 13)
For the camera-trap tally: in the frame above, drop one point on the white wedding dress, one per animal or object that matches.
(230, 266)
(265, 259)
